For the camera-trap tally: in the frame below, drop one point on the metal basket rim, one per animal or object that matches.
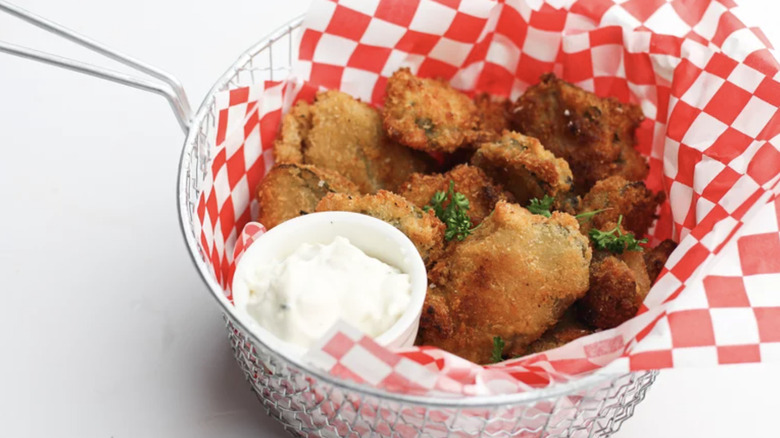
(553, 391)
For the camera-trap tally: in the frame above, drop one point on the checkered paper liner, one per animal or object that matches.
(707, 85)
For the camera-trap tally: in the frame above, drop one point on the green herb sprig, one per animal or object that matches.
(541, 206)
(498, 350)
(544, 207)
(589, 214)
(454, 215)
(614, 240)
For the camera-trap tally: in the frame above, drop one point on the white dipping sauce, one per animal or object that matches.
(300, 298)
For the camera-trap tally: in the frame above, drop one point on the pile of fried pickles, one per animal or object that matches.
(528, 214)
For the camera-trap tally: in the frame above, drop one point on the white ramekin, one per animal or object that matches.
(376, 238)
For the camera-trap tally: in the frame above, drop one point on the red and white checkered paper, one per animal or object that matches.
(706, 83)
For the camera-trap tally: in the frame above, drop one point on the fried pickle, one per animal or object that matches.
(655, 259)
(568, 203)
(340, 133)
(472, 182)
(513, 277)
(424, 229)
(567, 329)
(289, 142)
(493, 120)
(292, 190)
(493, 116)
(618, 196)
(618, 285)
(524, 167)
(631, 165)
(596, 136)
(428, 114)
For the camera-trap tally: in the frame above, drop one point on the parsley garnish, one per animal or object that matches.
(589, 214)
(454, 214)
(614, 240)
(498, 350)
(542, 206)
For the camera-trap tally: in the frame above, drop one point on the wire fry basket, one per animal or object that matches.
(311, 404)
(307, 401)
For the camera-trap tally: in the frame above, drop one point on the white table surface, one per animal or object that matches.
(106, 330)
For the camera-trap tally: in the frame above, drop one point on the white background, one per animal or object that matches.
(106, 330)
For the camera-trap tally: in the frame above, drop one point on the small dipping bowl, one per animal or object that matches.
(376, 238)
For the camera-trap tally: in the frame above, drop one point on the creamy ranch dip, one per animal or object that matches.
(299, 298)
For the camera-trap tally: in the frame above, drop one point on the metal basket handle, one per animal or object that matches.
(170, 87)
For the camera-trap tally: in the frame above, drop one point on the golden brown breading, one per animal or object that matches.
(340, 133)
(655, 259)
(292, 190)
(618, 285)
(631, 165)
(524, 167)
(472, 182)
(296, 124)
(633, 200)
(424, 229)
(596, 136)
(428, 114)
(513, 277)
(568, 203)
(493, 116)
(567, 329)
(435, 317)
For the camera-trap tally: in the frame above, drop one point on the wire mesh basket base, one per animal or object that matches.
(308, 407)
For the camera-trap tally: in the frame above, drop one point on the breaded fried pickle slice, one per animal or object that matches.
(524, 167)
(296, 124)
(618, 196)
(292, 190)
(472, 182)
(428, 114)
(514, 277)
(618, 285)
(631, 165)
(564, 331)
(340, 133)
(655, 259)
(493, 116)
(596, 136)
(424, 229)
